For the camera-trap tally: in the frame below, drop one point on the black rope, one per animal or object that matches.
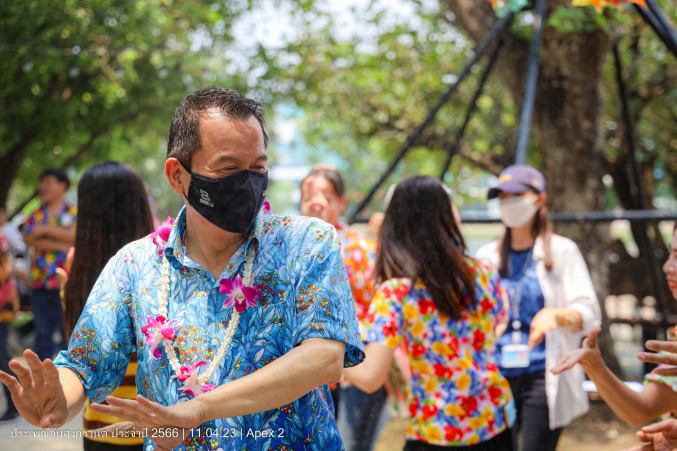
(643, 239)
(496, 30)
(657, 27)
(638, 190)
(471, 108)
(531, 81)
(661, 19)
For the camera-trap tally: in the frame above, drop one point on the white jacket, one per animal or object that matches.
(566, 285)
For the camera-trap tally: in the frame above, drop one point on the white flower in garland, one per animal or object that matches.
(158, 331)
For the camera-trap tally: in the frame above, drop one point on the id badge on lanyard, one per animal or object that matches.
(516, 355)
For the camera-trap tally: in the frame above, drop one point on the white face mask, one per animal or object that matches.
(517, 210)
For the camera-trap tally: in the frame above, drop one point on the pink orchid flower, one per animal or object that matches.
(191, 386)
(156, 329)
(238, 295)
(266, 207)
(161, 235)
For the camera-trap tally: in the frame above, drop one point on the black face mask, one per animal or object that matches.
(230, 203)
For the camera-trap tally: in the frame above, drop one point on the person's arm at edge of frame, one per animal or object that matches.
(632, 407)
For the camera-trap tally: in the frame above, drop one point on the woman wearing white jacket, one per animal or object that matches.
(553, 305)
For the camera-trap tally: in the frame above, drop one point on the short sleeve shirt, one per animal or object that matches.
(43, 267)
(456, 395)
(304, 294)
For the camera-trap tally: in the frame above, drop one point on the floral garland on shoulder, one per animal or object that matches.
(159, 332)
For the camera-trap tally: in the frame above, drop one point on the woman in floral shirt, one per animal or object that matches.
(444, 308)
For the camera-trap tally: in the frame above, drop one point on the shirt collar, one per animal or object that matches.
(178, 256)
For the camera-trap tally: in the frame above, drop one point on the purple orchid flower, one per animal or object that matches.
(161, 235)
(191, 386)
(156, 329)
(238, 295)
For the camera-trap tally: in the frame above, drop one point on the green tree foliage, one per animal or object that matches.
(365, 92)
(83, 81)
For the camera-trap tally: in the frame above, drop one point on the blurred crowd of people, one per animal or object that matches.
(483, 351)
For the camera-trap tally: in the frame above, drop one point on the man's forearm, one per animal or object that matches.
(315, 362)
(49, 245)
(73, 390)
(60, 234)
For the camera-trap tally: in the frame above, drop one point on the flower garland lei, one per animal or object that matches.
(159, 332)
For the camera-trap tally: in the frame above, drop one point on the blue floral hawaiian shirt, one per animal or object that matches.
(304, 294)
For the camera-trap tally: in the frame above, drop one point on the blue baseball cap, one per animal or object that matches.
(517, 179)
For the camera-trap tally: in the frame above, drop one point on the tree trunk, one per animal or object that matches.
(567, 127)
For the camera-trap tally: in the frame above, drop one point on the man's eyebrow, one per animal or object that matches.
(228, 159)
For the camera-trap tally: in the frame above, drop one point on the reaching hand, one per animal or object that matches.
(670, 358)
(587, 353)
(661, 436)
(171, 425)
(38, 394)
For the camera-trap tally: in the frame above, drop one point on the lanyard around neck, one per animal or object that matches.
(515, 294)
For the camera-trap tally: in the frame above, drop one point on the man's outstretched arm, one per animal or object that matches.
(44, 395)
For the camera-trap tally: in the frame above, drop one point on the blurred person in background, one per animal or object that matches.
(9, 305)
(50, 231)
(113, 210)
(443, 307)
(359, 415)
(14, 238)
(553, 305)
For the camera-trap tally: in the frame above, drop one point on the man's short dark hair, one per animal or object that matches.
(58, 173)
(184, 134)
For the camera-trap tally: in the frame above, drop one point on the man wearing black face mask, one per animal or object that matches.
(239, 315)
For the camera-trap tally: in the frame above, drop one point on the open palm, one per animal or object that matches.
(586, 353)
(168, 426)
(38, 394)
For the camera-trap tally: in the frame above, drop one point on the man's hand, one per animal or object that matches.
(62, 273)
(670, 347)
(38, 394)
(175, 422)
(661, 436)
(588, 353)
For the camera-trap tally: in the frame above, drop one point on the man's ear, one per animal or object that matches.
(176, 175)
(343, 202)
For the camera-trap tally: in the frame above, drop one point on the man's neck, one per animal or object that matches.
(212, 249)
(54, 207)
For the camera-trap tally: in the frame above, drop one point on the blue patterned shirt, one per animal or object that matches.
(304, 294)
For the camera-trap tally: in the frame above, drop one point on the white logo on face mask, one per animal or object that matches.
(518, 210)
(204, 198)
